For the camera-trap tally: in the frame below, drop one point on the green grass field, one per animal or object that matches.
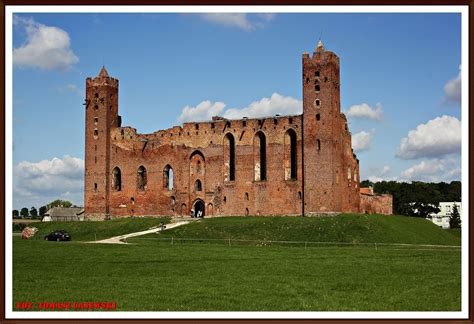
(158, 276)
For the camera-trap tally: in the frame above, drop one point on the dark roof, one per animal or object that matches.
(63, 211)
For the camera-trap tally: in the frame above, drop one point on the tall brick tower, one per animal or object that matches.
(321, 123)
(101, 116)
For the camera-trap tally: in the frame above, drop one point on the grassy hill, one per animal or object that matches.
(343, 228)
(89, 231)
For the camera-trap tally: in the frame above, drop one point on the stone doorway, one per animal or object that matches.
(199, 208)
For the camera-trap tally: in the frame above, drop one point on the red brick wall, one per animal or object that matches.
(326, 187)
(376, 204)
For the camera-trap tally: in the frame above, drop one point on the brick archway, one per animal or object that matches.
(199, 208)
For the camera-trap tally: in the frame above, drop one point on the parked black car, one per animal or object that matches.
(58, 236)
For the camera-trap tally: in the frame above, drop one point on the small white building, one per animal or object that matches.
(442, 218)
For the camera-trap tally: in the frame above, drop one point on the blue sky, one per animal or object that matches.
(400, 84)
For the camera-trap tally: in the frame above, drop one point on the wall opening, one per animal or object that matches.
(260, 157)
(168, 177)
(290, 155)
(229, 157)
(246, 211)
(316, 74)
(141, 178)
(318, 145)
(95, 186)
(116, 179)
(318, 117)
(198, 186)
(198, 167)
(199, 208)
(317, 88)
(246, 196)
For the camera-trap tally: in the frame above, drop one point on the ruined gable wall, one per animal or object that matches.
(275, 196)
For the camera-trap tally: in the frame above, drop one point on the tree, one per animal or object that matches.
(16, 213)
(366, 183)
(24, 212)
(421, 209)
(59, 203)
(33, 212)
(455, 218)
(42, 211)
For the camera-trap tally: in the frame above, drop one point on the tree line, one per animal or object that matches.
(418, 199)
(39, 213)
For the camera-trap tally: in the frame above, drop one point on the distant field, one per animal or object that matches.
(25, 221)
(159, 276)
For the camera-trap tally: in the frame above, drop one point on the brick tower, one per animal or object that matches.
(322, 134)
(101, 117)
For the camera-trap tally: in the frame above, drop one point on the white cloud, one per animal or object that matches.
(70, 88)
(385, 170)
(438, 137)
(203, 111)
(239, 20)
(433, 170)
(377, 174)
(46, 47)
(364, 111)
(276, 104)
(361, 141)
(37, 183)
(267, 16)
(452, 89)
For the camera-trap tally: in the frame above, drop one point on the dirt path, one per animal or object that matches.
(120, 239)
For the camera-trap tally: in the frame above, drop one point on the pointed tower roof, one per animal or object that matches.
(103, 73)
(320, 46)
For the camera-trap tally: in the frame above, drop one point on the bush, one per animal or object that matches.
(18, 227)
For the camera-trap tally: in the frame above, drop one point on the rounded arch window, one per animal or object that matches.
(168, 177)
(141, 178)
(117, 179)
(260, 156)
